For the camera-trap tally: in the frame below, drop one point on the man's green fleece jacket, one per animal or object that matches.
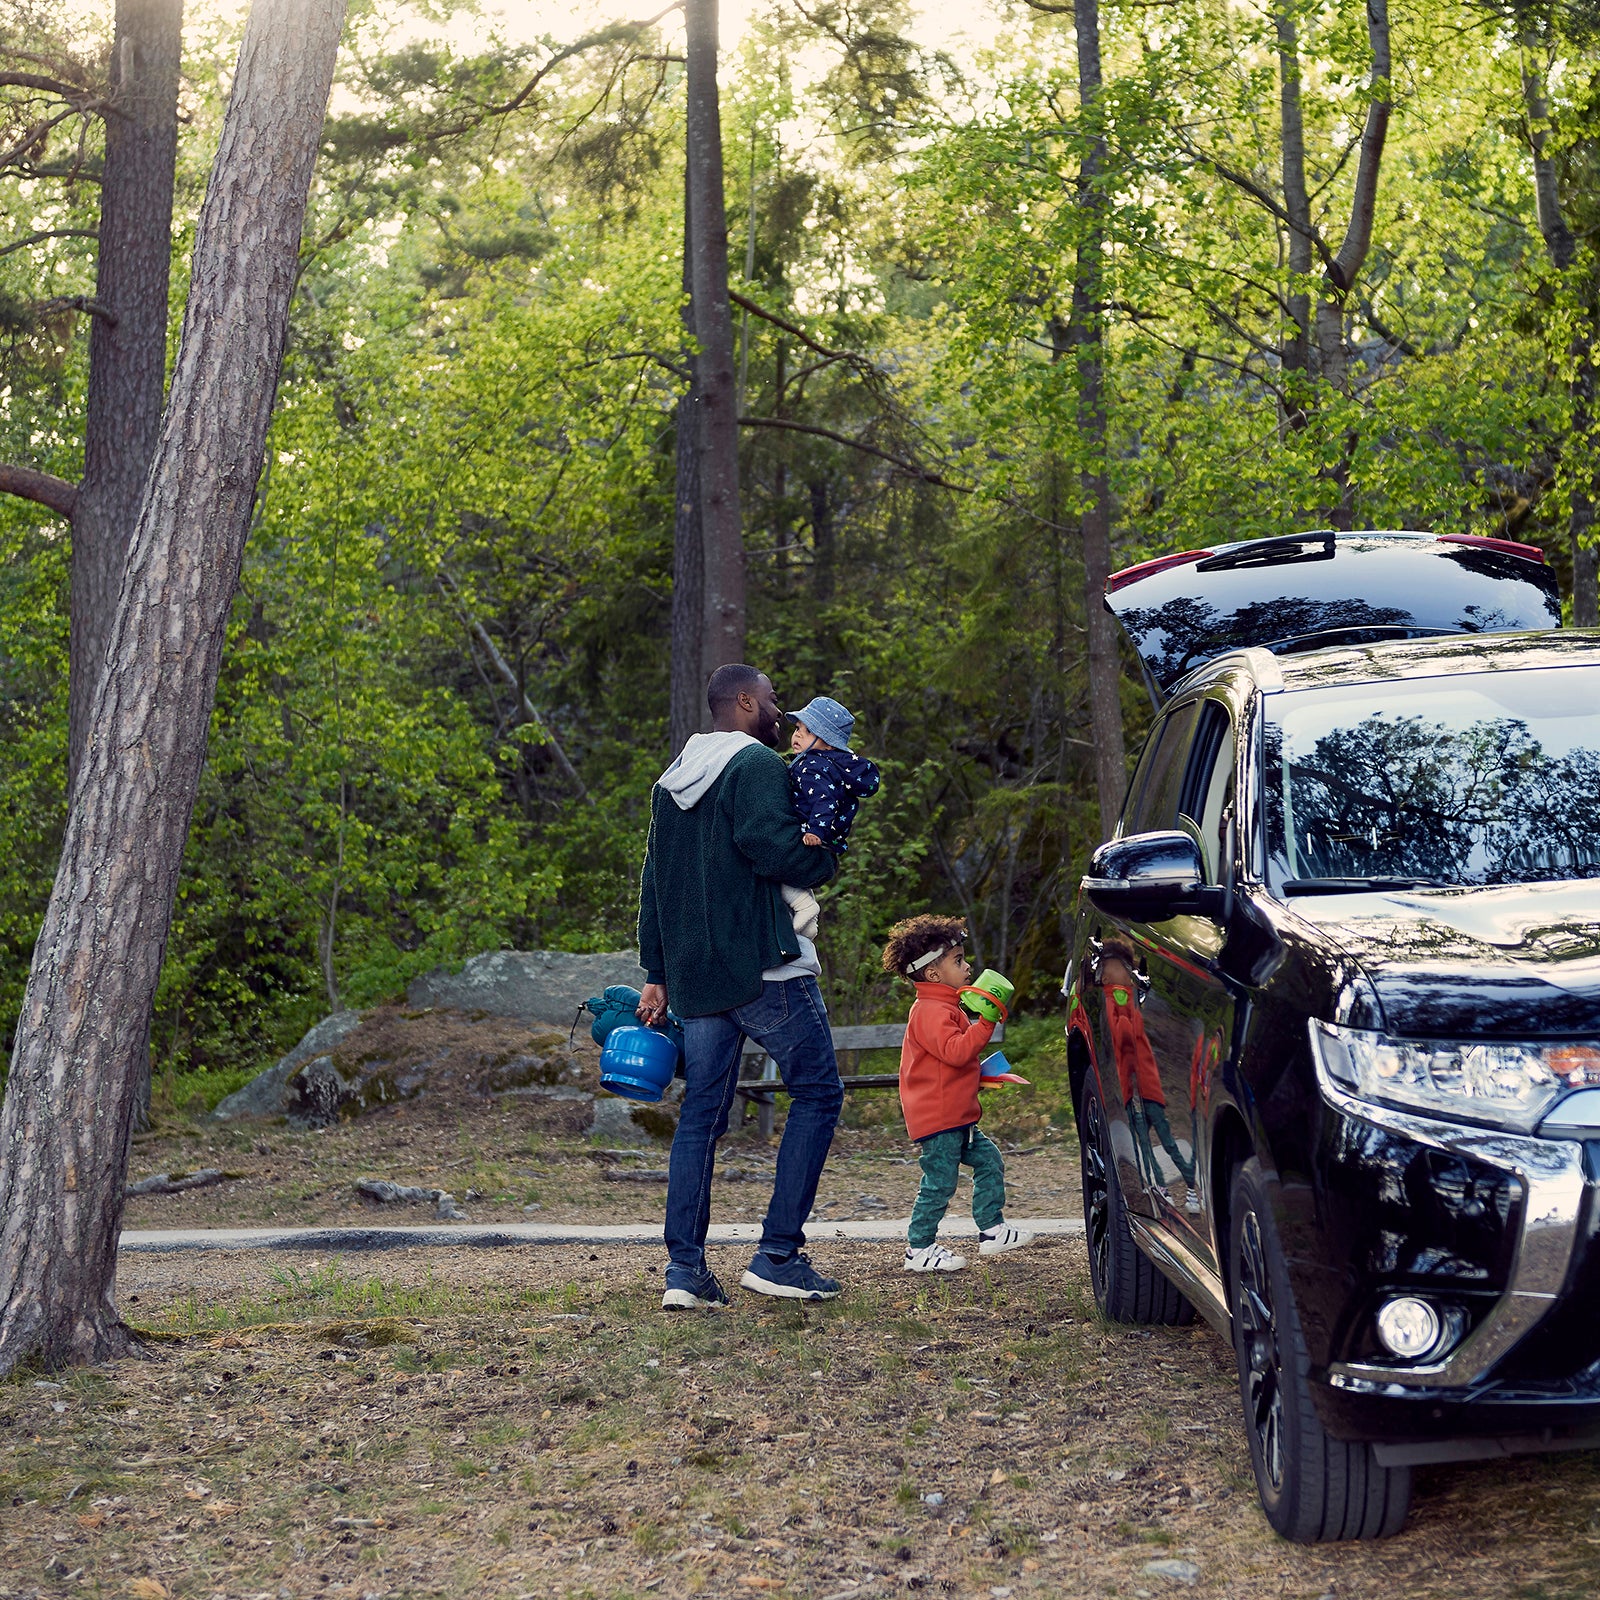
(711, 914)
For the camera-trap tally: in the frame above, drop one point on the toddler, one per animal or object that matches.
(939, 1094)
(827, 784)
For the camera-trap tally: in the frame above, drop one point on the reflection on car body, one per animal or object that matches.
(1334, 1006)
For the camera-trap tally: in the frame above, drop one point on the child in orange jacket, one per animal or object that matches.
(939, 1094)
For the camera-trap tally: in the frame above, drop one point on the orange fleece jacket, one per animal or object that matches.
(939, 1062)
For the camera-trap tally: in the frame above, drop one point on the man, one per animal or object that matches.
(716, 937)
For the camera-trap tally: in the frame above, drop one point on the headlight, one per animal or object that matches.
(1511, 1085)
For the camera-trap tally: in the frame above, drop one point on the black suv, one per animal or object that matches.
(1334, 1006)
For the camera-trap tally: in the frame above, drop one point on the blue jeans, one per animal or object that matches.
(790, 1023)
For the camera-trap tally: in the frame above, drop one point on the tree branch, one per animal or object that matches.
(590, 41)
(1342, 270)
(909, 467)
(49, 233)
(44, 84)
(855, 359)
(448, 585)
(34, 138)
(78, 302)
(1250, 187)
(42, 488)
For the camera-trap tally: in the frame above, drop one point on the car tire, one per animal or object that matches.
(1127, 1285)
(1314, 1488)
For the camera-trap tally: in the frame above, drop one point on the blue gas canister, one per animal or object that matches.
(637, 1063)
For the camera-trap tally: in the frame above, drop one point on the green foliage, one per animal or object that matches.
(474, 447)
(33, 733)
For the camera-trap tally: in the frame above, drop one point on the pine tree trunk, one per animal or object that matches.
(1088, 325)
(689, 713)
(822, 543)
(128, 348)
(86, 1013)
(713, 322)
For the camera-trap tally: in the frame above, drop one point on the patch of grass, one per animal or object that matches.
(194, 1094)
(1156, 1426)
(369, 1301)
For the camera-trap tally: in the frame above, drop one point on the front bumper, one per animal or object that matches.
(1511, 1272)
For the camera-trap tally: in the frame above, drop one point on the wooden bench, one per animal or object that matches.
(763, 1088)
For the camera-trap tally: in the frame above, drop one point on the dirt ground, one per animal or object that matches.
(525, 1422)
(499, 1154)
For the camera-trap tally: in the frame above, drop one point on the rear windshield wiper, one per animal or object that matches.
(1356, 885)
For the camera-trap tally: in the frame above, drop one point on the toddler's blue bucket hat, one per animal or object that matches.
(828, 720)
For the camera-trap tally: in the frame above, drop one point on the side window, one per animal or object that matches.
(1154, 800)
(1208, 785)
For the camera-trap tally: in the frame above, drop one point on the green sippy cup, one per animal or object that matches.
(988, 995)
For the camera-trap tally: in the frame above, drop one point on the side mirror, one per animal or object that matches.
(1149, 877)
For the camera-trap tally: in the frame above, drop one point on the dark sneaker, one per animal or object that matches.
(691, 1291)
(793, 1279)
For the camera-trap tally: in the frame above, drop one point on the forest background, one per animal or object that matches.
(978, 305)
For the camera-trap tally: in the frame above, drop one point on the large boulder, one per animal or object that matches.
(397, 1054)
(530, 985)
(631, 1122)
(266, 1094)
(356, 1061)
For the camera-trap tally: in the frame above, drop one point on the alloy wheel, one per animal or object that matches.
(1258, 1331)
(1096, 1191)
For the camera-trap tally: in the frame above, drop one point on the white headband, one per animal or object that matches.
(929, 958)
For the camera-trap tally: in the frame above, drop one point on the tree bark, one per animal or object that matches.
(689, 713)
(822, 542)
(86, 1014)
(1296, 345)
(1558, 237)
(1088, 330)
(43, 488)
(1345, 267)
(1562, 247)
(128, 348)
(724, 575)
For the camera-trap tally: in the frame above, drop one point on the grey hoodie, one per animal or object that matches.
(688, 780)
(700, 764)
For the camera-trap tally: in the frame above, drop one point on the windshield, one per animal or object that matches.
(1485, 777)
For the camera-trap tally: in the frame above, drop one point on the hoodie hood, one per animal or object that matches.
(851, 772)
(700, 763)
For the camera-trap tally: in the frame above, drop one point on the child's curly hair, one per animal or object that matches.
(915, 937)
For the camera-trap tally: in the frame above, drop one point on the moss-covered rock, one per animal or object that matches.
(396, 1054)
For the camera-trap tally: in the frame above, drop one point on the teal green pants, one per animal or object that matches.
(943, 1156)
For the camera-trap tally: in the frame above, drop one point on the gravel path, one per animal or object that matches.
(492, 1235)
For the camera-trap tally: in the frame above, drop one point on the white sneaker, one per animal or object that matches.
(997, 1241)
(1191, 1201)
(933, 1258)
